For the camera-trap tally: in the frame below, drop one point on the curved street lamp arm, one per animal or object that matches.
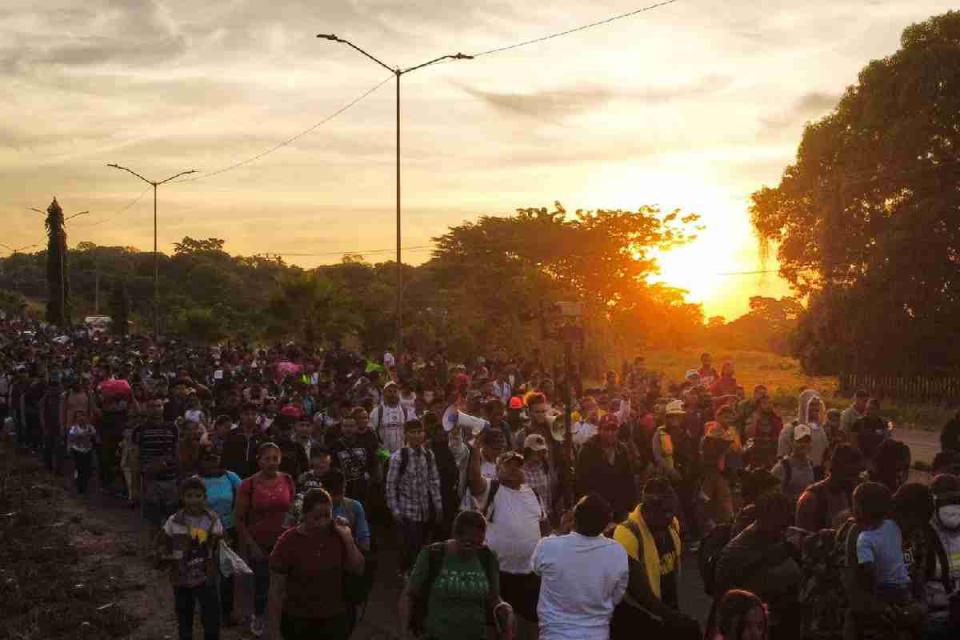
(182, 173)
(116, 166)
(333, 38)
(458, 56)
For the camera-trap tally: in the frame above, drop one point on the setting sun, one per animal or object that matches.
(716, 268)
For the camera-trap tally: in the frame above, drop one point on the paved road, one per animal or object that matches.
(924, 445)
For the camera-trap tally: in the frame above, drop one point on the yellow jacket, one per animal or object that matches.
(653, 565)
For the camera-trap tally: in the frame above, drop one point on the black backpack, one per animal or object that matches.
(709, 553)
(405, 460)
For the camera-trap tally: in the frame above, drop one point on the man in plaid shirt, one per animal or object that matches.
(413, 492)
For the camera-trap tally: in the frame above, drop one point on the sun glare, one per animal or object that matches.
(702, 268)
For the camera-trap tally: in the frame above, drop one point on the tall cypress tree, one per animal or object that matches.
(58, 288)
(120, 308)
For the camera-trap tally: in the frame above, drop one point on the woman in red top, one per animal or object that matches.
(307, 568)
(262, 502)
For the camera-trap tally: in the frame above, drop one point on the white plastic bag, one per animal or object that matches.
(231, 563)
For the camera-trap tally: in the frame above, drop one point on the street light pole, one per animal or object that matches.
(156, 255)
(397, 72)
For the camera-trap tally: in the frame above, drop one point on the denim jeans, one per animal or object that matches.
(186, 598)
(412, 536)
(261, 581)
(83, 466)
(335, 628)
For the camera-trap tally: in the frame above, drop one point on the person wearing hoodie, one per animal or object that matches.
(811, 413)
(604, 467)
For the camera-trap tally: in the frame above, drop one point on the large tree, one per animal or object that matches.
(867, 220)
(120, 308)
(58, 284)
(498, 275)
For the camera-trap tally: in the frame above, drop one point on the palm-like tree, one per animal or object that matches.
(58, 286)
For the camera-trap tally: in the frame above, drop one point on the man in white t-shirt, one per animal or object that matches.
(583, 576)
(515, 522)
(387, 419)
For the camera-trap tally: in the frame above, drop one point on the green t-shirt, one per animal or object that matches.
(456, 608)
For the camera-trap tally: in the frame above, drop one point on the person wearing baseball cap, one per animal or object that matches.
(604, 467)
(714, 447)
(515, 522)
(536, 469)
(663, 439)
(796, 471)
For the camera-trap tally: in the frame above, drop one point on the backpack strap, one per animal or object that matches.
(435, 553)
(404, 461)
(787, 473)
(488, 510)
(489, 567)
(249, 500)
(634, 529)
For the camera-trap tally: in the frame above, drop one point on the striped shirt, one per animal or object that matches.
(157, 443)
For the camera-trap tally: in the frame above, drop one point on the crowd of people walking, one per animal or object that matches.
(303, 466)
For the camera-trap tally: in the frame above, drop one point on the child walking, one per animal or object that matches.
(81, 440)
(188, 543)
(881, 565)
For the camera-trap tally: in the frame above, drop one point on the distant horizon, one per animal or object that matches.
(693, 105)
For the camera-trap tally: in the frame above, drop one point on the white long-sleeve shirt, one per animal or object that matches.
(582, 580)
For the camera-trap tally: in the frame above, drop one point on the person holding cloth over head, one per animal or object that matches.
(307, 566)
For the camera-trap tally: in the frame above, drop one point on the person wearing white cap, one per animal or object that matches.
(536, 469)
(812, 414)
(796, 470)
(663, 437)
(515, 522)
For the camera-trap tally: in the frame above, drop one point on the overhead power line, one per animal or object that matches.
(346, 252)
(584, 27)
(290, 140)
(118, 212)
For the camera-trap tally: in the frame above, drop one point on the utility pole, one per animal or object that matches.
(156, 256)
(397, 72)
(96, 287)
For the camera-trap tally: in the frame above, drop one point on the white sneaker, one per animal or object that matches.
(256, 626)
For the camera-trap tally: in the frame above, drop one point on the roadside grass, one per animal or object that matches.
(785, 380)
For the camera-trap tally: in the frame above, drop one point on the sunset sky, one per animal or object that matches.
(692, 105)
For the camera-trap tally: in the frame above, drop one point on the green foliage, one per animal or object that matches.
(200, 325)
(12, 303)
(866, 219)
(310, 308)
(120, 308)
(58, 281)
(496, 276)
(766, 327)
(485, 289)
